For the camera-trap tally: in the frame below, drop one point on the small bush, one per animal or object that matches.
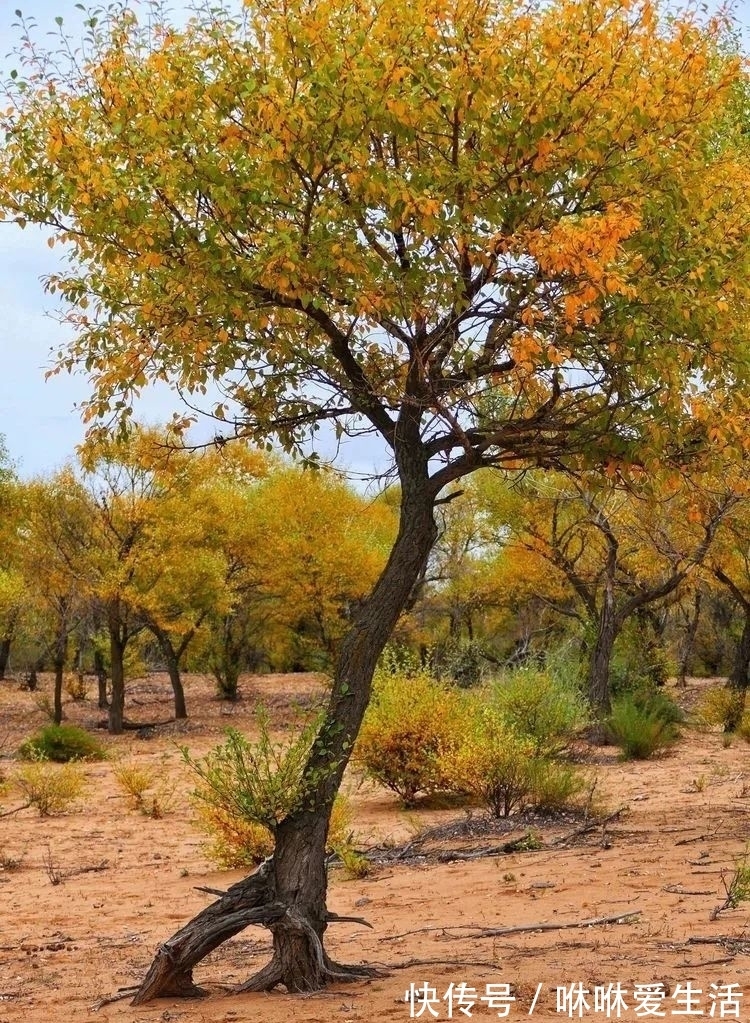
(233, 841)
(492, 763)
(555, 786)
(410, 722)
(135, 781)
(50, 789)
(75, 686)
(260, 781)
(547, 710)
(723, 706)
(641, 727)
(246, 790)
(62, 743)
(147, 793)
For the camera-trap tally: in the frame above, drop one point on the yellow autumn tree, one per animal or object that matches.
(498, 233)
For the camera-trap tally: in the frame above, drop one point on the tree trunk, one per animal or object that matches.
(4, 655)
(601, 659)
(299, 961)
(101, 680)
(117, 644)
(175, 678)
(738, 678)
(688, 641)
(61, 650)
(59, 672)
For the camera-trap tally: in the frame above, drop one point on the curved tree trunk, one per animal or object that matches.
(296, 901)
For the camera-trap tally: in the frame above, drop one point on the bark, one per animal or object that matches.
(738, 678)
(600, 661)
(688, 641)
(297, 896)
(61, 649)
(4, 655)
(172, 656)
(101, 680)
(117, 643)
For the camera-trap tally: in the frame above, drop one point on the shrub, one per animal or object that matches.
(547, 710)
(555, 786)
(491, 762)
(411, 719)
(62, 743)
(75, 686)
(641, 726)
(724, 706)
(247, 789)
(233, 841)
(147, 793)
(259, 782)
(50, 789)
(460, 663)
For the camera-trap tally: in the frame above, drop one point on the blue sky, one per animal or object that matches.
(38, 417)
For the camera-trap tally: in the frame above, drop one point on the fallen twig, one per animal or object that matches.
(526, 843)
(492, 932)
(677, 889)
(122, 992)
(592, 825)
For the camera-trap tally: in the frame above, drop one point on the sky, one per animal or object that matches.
(38, 417)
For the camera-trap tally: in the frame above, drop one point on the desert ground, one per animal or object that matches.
(86, 897)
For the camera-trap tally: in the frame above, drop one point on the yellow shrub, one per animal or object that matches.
(410, 720)
(50, 788)
(492, 763)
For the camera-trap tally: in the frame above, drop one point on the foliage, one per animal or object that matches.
(411, 722)
(459, 662)
(555, 785)
(259, 782)
(233, 841)
(62, 743)
(492, 762)
(147, 791)
(51, 789)
(75, 686)
(641, 725)
(546, 709)
(724, 706)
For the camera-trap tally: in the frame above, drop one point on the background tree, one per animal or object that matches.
(495, 234)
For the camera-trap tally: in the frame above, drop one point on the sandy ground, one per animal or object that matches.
(128, 882)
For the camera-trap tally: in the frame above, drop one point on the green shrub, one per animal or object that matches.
(50, 789)
(491, 762)
(259, 782)
(547, 710)
(641, 726)
(62, 743)
(411, 720)
(555, 786)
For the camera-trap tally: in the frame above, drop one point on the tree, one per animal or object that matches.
(619, 553)
(492, 234)
(58, 524)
